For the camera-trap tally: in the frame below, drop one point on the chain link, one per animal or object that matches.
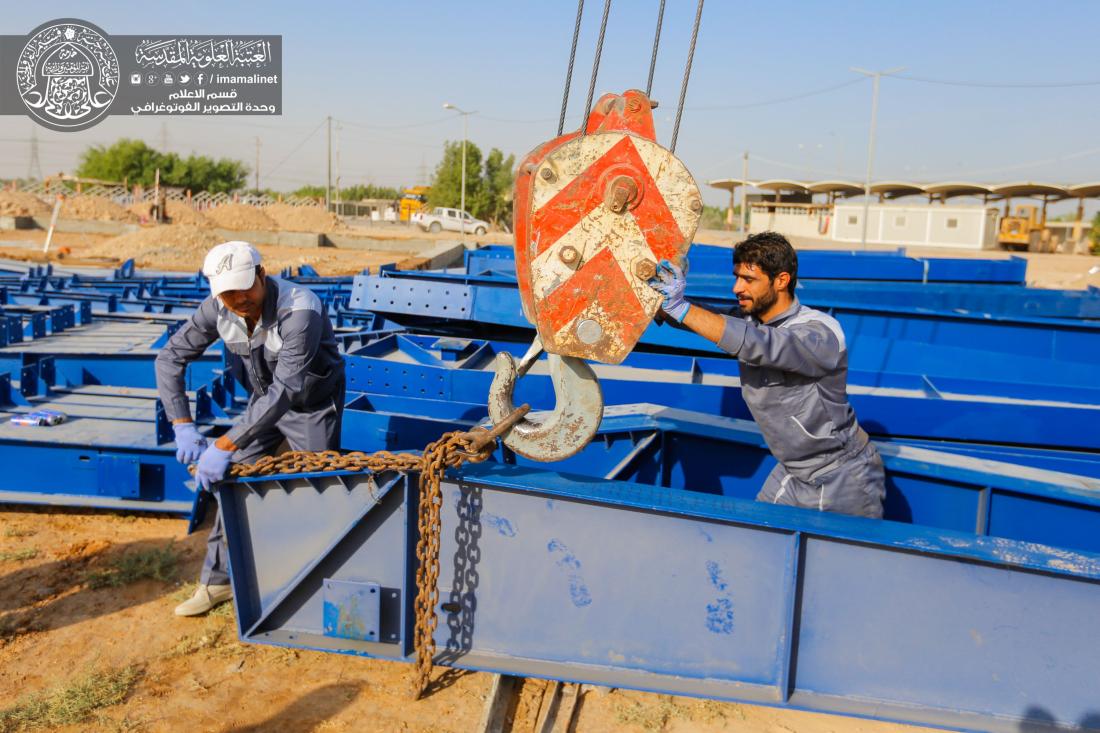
(452, 450)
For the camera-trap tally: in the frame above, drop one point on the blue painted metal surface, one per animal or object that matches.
(927, 406)
(996, 493)
(107, 454)
(419, 298)
(818, 264)
(558, 576)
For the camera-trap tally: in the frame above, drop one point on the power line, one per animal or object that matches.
(396, 127)
(780, 100)
(998, 84)
(706, 108)
(297, 147)
(1030, 164)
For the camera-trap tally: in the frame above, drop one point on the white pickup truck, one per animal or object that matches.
(454, 220)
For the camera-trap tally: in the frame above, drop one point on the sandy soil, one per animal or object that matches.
(182, 247)
(195, 675)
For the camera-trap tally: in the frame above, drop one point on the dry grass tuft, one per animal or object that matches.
(71, 703)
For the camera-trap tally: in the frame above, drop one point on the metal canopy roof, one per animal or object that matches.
(951, 189)
(783, 184)
(1084, 190)
(840, 188)
(728, 184)
(897, 189)
(943, 189)
(1029, 188)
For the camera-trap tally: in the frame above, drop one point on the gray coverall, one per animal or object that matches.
(295, 372)
(794, 374)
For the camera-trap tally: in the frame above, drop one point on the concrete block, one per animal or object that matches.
(16, 222)
(345, 241)
(284, 239)
(84, 226)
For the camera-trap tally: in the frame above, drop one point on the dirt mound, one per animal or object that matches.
(178, 213)
(303, 218)
(241, 217)
(82, 550)
(95, 208)
(169, 247)
(18, 203)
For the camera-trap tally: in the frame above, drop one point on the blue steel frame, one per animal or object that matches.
(558, 576)
(421, 297)
(941, 485)
(905, 405)
(818, 264)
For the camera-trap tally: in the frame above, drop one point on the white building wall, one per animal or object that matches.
(931, 225)
(788, 221)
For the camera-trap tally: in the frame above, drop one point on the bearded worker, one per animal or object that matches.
(794, 373)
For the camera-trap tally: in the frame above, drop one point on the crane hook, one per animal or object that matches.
(574, 419)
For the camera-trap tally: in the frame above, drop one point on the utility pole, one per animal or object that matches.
(34, 165)
(744, 189)
(876, 76)
(257, 165)
(465, 130)
(328, 159)
(337, 168)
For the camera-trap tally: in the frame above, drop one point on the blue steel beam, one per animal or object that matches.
(107, 454)
(428, 297)
(557, 576)
(928, 485)
(819, 264)
(901, 405)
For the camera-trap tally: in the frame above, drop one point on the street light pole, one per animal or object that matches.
(876, 76)
(465, 129)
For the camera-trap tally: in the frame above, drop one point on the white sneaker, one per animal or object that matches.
(205, 598)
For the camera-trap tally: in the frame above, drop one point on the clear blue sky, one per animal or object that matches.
(385, 69)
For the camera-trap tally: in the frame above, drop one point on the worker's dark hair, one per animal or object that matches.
(772, 253)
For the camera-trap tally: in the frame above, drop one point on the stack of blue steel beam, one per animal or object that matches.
(640, 562)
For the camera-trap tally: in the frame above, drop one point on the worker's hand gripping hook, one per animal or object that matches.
(575, 418)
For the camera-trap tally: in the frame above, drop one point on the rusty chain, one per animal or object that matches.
(450, 451)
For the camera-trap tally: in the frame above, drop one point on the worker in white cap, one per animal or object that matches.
(291, 365)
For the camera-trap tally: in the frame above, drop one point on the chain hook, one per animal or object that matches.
(566, 429)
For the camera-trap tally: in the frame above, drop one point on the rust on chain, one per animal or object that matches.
(450, 451)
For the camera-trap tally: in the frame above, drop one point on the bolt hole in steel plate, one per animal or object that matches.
(571, 211)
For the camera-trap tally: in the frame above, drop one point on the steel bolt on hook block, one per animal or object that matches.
(604, 207)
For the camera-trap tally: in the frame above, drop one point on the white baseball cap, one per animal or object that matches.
(231, 266)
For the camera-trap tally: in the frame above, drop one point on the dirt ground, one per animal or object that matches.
(60, 621)
(184, 252)
(193, 674)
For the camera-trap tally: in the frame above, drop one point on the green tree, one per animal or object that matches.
(135, 162)
(1094, 234)
(356, 192)
(499, 177)
(447, 181)
(488, 183)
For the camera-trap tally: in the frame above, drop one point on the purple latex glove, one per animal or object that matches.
(671, 283)
(189, 443)
(213, 464)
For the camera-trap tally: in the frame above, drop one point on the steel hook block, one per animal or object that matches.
(557, 434)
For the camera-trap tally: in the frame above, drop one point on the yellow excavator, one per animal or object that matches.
(1024, 229)
(413, 201)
